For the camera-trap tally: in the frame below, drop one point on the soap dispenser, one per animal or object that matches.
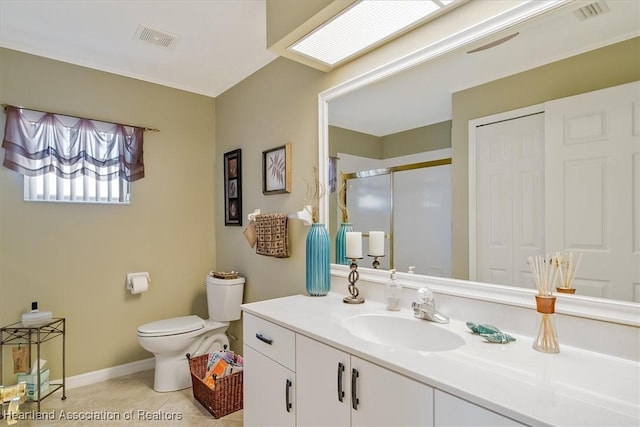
(393, 292)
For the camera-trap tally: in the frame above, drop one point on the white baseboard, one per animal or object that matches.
(108, 373)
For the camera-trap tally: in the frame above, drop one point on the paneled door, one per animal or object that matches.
(509, 190)
(593, 188)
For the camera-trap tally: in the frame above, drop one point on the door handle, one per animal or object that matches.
(340, 389)
(286, 395)
(263, 338)
(354, 392)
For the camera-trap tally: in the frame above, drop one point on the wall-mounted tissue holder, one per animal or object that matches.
(304, 215)
(138, 282)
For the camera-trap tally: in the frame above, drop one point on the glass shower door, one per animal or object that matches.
(369, 204)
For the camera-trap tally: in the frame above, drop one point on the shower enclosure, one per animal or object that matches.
(412, 205)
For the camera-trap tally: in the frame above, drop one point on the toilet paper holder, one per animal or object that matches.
(131, 277)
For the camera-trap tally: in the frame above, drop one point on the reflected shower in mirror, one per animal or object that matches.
(410, 203)
(427, 108)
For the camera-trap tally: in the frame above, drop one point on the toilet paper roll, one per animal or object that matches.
(138, 283)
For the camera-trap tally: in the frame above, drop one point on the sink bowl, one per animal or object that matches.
(405, 332)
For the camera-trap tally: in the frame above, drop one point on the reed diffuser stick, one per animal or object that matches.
(545, 270)
(567, 266)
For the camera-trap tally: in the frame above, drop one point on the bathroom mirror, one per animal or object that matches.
(417, 91)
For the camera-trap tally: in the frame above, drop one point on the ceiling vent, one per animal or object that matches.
(157, 37)
(591, 10)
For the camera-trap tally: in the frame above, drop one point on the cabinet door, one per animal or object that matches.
(323, 383)
(269, 391)
(454, 412)
(384, 398)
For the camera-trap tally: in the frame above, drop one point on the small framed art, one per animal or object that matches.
(233, 188)
(276, 170)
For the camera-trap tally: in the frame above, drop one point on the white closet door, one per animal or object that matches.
(593, 188)
(509, 199)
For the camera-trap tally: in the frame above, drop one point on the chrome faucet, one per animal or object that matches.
(425, 307)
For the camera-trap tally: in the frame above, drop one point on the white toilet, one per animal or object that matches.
(170, 340)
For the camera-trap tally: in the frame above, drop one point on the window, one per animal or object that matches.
(49, 187)
(70, 159)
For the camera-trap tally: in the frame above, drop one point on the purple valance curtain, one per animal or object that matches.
(37, 143)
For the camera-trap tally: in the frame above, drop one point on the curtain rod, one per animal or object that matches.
(4, 106)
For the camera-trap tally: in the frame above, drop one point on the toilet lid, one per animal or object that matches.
(172, 326)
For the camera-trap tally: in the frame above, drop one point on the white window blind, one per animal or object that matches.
(83, 189)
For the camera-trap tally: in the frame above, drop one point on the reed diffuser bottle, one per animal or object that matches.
(545, 272)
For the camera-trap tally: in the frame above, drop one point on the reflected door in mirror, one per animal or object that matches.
(509, 199)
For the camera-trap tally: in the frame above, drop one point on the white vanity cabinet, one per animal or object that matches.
(293, 380)
(324, 372)
(338, 389)
(269, 378)
(451, 411)
(303, 349)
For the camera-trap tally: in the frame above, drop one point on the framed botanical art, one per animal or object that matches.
(233, 188)
(276, 170)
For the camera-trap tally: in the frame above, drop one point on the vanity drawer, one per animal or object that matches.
(273, 341)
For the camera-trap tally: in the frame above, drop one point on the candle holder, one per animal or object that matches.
(376, 263)
(355, 297)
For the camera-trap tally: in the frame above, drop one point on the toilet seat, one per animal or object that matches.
(172, 326)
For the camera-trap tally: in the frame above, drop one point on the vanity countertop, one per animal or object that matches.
(572, 388)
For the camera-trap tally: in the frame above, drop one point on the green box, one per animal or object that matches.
(32, 379)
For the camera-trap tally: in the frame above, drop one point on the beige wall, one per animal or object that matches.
(613, 65)
(73, 258)
(412, 141)
(356, 143)
(274, 106)
(284, 16)
(418, 140)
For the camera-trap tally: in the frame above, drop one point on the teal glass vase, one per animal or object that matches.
(318, 280)
(341, 243)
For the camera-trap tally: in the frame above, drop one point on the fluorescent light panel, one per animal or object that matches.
(362, 25)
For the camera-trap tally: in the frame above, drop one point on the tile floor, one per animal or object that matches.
(131, 397)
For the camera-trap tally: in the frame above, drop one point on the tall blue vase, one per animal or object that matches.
(318, 253)
(341, 243)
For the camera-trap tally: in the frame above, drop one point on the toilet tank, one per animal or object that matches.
(224, 297)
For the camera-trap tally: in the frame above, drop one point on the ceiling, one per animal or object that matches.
(422, 95)
(218, 43)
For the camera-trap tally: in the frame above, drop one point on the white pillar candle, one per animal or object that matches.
(376, 243)
(354, 244)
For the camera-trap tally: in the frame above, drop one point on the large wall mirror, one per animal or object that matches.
(414, 110)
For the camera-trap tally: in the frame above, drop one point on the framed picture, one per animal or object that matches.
(276, 170)
(232, 188)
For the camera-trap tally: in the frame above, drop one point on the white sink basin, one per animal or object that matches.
(404, 332)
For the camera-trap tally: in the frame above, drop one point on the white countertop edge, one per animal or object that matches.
(614, 311)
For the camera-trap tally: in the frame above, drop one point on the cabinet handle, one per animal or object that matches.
(340, 389)
(354, 392)
(286, 395)
(263, 338)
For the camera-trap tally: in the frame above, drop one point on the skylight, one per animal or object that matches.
(365, 24)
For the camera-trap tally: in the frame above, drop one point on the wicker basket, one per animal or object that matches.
(222, 400)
